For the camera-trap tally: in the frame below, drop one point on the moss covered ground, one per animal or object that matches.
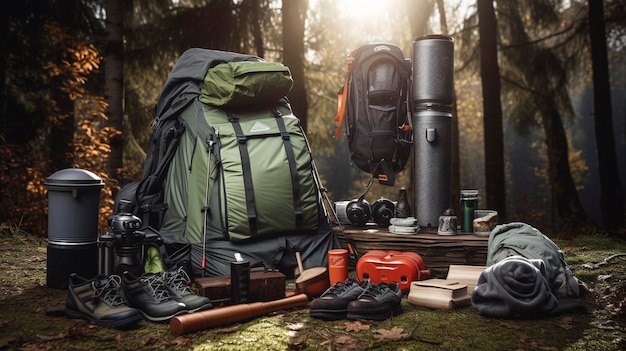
(31, 315)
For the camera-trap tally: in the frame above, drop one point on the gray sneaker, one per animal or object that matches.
(151, 297)
(99, 301)
(333, 303)
(377, 303)
(179, 284)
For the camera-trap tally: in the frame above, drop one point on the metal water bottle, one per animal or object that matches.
(239, 280)
(468, 202)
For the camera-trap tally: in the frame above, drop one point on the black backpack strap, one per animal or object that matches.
(291, 159)
(247, 173)
(149, 194)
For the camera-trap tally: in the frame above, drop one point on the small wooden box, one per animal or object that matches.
(264, 286)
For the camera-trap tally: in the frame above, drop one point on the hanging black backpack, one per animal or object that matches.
(375, 103)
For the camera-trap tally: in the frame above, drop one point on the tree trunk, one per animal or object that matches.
(563, 190)
(257, 34)
(495, 177)
(62, 131)
(4, 31)
(538, 66)
(114, 82)
(419, 12)
(293, 15)
(611, 191)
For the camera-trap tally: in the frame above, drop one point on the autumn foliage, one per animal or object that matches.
(24, 168)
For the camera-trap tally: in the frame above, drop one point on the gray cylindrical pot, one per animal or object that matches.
(432, 140)
(73, 207)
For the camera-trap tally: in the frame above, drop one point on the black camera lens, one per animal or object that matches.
(382, 212)
(358, 212)
(125, 223)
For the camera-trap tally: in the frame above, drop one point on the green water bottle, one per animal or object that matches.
(467, 204)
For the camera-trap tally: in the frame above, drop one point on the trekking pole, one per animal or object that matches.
(205, 209)
(324, 191)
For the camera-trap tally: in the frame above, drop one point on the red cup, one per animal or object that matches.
(337, 265)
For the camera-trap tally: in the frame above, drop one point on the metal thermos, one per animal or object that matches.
(106, 259)
(239, 282)
(433, 95)
(468, 203)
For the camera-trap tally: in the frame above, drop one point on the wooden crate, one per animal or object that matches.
(436, 250)
(264, 286)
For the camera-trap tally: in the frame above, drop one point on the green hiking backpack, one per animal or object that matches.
(229, 169)
(254, 168)
(258, 166)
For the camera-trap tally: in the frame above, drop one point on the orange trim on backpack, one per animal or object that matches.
(342, 97)
(341, 108)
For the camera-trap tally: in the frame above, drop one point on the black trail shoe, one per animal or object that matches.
(377, 303)
(179, 285)
(333, 303)
(99, 301)
(151, 297)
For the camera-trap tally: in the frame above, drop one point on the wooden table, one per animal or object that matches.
(436, 250)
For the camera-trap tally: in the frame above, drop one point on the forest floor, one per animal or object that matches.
(32, 318)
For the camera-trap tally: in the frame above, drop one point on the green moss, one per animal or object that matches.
(31, 316)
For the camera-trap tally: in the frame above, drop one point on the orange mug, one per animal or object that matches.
(337, 265)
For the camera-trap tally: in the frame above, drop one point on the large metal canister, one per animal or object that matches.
(433, 95)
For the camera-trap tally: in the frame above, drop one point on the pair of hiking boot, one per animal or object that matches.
(354, 301)
(119, 301)
(161, 296)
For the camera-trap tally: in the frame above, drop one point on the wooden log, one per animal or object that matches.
(207, 319)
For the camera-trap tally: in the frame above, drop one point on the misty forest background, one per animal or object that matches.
(539, 120)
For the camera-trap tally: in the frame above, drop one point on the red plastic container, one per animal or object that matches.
(401, 267)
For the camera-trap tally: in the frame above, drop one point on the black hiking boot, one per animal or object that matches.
(181, 289)
(333, 303)
(377, 302)
(99, 301)
(151, 297)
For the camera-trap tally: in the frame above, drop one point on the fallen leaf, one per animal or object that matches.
(354, 326)
(55, 310)
(52, 337)
(230, 329)
(181, 342)
(344, 340)
(394, 333)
